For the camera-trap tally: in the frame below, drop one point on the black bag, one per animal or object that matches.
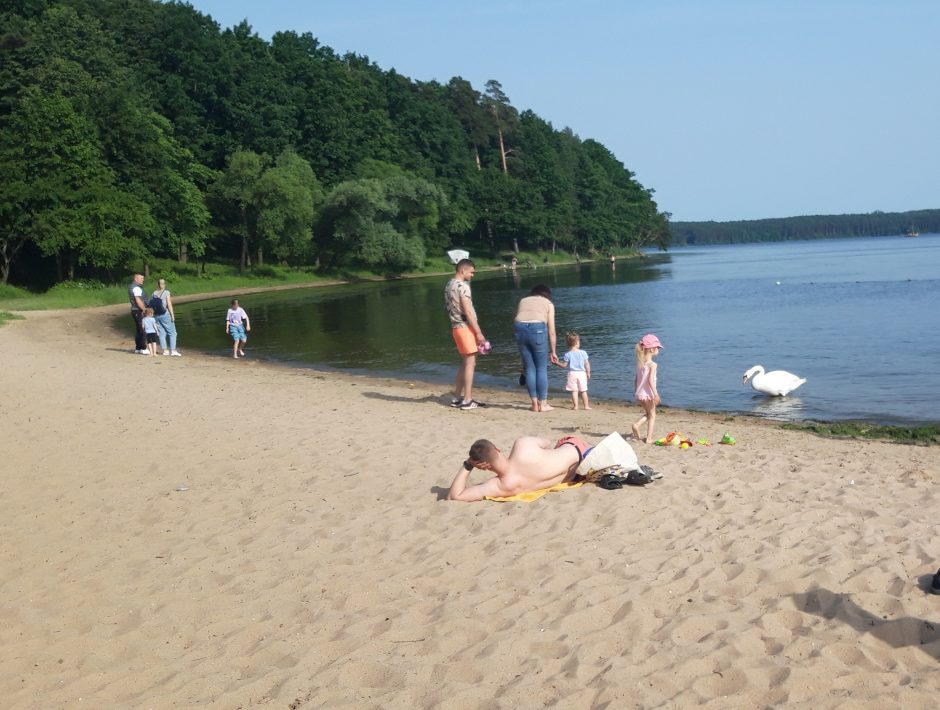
(638, 478)
(156, 303)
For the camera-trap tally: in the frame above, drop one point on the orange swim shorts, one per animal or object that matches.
(465, 340)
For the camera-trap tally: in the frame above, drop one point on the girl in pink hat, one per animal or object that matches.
(645, 389)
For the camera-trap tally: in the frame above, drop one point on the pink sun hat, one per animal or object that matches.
(650, 341)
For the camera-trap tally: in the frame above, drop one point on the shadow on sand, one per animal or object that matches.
(906, 631)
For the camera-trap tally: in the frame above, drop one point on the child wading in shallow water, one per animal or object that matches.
(645, 389)
(579, 370)
(237, 325)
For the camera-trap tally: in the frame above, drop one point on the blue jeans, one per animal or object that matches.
(166, 326)
(533, 346)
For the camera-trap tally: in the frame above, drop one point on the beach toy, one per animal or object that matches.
(728, 439)
(674, 438)
(485, 347)
(703, 442)
(671, 439)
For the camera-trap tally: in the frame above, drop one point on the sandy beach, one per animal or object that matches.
(208, 532)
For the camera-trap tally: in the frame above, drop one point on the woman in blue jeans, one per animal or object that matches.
(535, 334)
(166, 318)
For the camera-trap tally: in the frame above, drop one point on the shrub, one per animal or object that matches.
(8, 291)
(265, 272)
(79, 285)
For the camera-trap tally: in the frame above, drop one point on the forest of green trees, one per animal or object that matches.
(876, 224)
(133, 129)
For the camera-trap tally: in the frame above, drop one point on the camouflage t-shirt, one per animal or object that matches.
(453, 292)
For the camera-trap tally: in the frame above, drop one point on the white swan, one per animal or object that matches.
(778, 382)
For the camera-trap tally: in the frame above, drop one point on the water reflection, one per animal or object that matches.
(401, 326)
(778, 407)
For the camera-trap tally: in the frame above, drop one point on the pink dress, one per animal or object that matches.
(645, 383)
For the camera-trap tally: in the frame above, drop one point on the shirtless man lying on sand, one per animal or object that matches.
(533, 463)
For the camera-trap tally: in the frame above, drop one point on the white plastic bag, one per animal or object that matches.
(612, 451)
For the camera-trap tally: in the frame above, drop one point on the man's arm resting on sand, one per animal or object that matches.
(468, 494)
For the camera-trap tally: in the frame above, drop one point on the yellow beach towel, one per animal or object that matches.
(530, 496)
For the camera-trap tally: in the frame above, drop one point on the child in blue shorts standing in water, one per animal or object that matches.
(238, 326)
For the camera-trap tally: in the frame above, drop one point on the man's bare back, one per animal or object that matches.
(533, 463)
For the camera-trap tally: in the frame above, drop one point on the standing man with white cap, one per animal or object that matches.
(465, 330)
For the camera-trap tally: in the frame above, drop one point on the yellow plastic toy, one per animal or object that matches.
(674, 438)
(671, 439)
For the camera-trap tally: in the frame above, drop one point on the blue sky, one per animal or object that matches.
(728, 109)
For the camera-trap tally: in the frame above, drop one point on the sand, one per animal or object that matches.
(201, 531)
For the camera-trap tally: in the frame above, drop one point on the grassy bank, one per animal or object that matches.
(4, 317)
(181, 279)
(192, 279)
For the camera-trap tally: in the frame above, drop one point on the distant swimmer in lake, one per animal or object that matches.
(533, 463)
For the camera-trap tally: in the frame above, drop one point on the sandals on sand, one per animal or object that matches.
(638, 477)
(648, 470)
(610, 482)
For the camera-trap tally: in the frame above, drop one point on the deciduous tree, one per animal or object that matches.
(60, 193)
(381, 223)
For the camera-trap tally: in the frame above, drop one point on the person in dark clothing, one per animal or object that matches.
(135, 293)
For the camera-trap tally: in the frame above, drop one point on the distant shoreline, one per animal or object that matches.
(805, 227)
(191, 298)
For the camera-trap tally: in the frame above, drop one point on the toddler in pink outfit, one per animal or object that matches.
(645, 389)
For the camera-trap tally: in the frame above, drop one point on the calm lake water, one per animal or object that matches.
(858, 318)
